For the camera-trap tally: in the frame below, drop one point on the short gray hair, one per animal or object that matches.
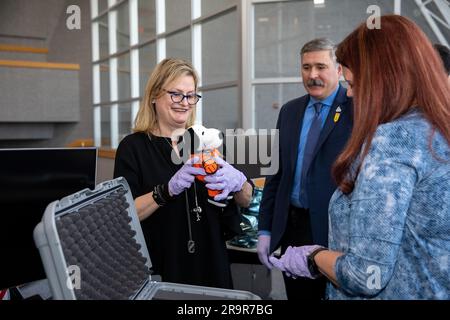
(320, 44)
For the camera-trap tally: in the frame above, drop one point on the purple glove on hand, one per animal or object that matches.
(263, 250)
(184, 177)
(227, 178)
(294, 261)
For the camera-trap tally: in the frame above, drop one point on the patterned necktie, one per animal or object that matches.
(311, 142)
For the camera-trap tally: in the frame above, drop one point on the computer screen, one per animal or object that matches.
(30, 179)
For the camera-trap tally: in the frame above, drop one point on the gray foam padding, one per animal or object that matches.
(99, 239)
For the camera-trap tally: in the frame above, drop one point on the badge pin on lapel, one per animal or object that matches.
(337, 114)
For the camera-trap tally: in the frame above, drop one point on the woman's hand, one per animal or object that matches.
(184, 177)
(294, 262)
(227, 179)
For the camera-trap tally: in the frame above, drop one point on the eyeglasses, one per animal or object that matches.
(178, 97)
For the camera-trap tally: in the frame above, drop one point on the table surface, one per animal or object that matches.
(245, 255)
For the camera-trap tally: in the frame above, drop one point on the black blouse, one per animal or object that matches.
(145, 161)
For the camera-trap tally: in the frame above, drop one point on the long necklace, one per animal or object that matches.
(191, 242)
(171, 146)
(197, 210)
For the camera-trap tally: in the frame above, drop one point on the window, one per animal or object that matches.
(247, 52)
(178, 14)
(146, 20)
(147, 61)
(147, 31)
(221, 109)
(269, 99)
(280, 30)
(125, 121)
(123, 27)
(214, 6)
(105, 125)
(104, 37)
(124, 74)
(178, 45)
(104, 83)
(220, 42)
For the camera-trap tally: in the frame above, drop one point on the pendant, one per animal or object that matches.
(197, 210)
(191, 246)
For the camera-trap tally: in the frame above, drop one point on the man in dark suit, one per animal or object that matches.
(313, 130)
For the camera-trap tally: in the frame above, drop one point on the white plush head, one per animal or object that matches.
(209, 138)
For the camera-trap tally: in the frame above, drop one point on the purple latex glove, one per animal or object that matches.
(227, 178)
(184, 177)
(294, 261)
(263, 250)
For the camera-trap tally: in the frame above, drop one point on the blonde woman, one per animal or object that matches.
(185, 234)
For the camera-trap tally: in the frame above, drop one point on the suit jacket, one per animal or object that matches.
(275, 202)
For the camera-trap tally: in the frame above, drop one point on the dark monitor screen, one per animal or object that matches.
(30, 179)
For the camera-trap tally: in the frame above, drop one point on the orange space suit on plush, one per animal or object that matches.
(206, 142)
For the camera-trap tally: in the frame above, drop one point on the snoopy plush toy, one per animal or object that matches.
(205, 144)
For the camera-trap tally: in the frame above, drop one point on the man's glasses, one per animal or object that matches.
(178, 97)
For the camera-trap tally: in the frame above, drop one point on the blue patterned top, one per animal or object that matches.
(394, 228)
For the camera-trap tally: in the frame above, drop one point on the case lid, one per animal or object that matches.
(99, 242)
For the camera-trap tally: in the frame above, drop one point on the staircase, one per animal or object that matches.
(35, 94)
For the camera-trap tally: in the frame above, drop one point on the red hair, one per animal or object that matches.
(394, 68)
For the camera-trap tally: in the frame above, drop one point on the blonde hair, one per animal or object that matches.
(165, 72)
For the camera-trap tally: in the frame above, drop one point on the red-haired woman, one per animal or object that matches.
(389, 233)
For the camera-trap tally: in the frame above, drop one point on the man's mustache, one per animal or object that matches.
(315, 83)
